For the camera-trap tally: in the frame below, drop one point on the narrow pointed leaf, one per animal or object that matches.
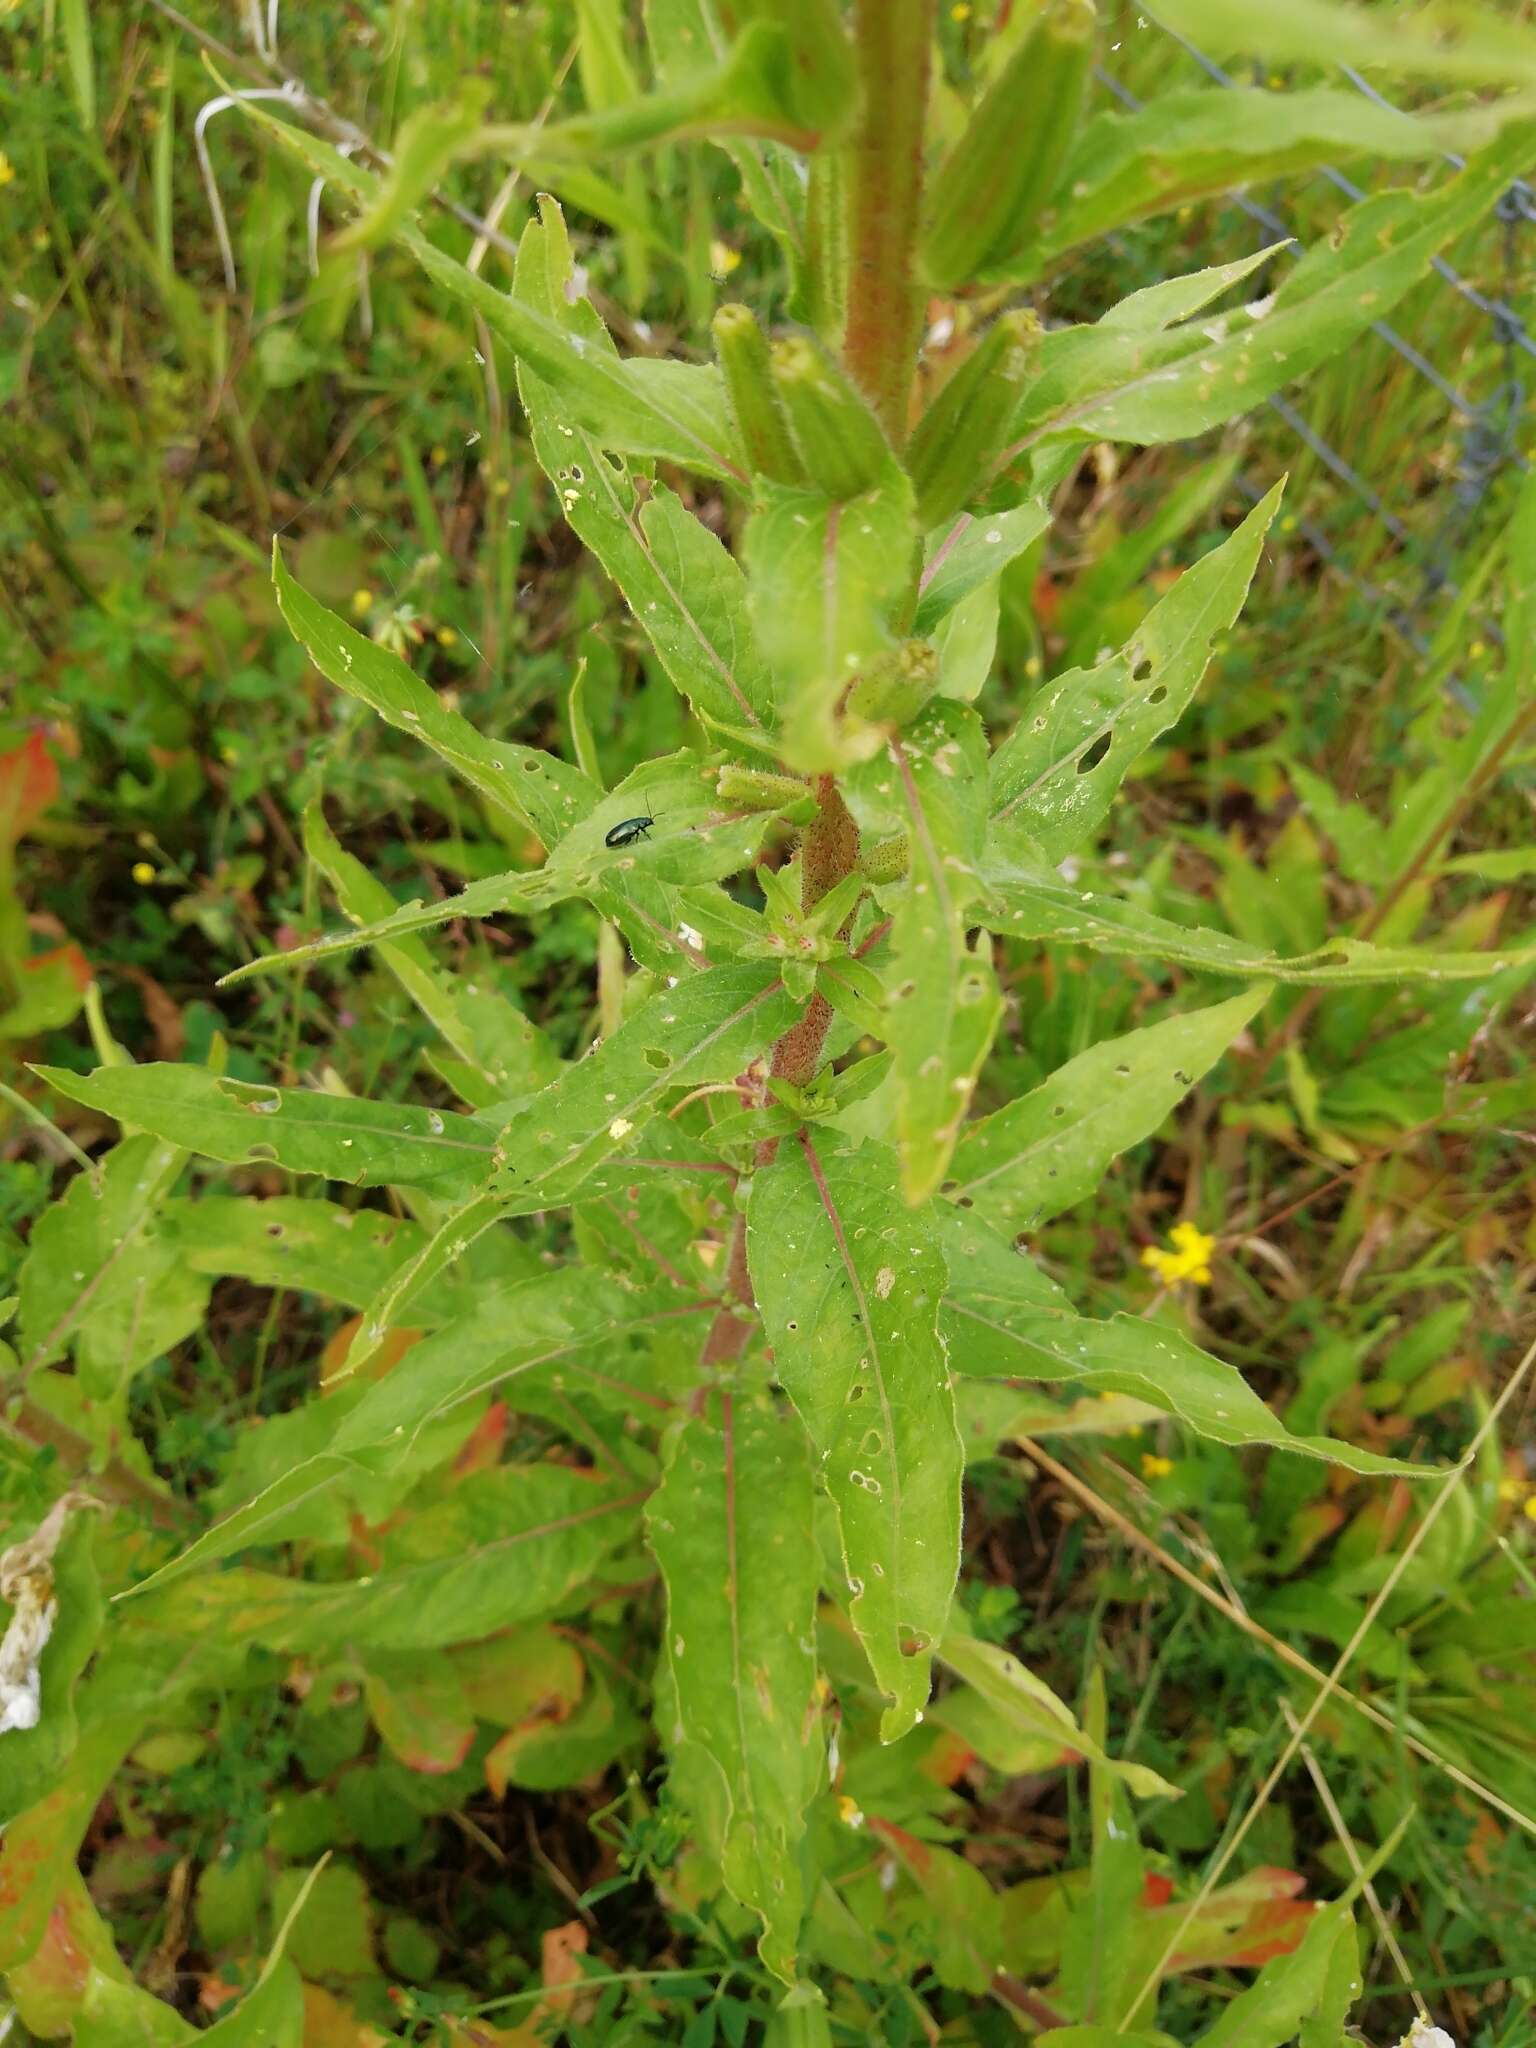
(968, 553)
(340, 1136)
(995, 1326)
(1055, 776)
(1030, 903)
(848, 1281)
(944, 1003)
(732, 1529)
(1049, 1149)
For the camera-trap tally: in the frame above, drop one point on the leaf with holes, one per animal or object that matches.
(1046, 1150)
(944, 1003)
(1029, 902)
(1055, 776)
(684, 589)
(827, 583)
(732, 1526)
(996, 1326)
(848, 1280)
(709, 1028)
(340, 1136)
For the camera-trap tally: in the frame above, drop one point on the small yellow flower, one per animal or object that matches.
(143, 873)
(438, 457)
(1154, 1467)
(723, 259)
(1190, 1258)
(848, 1811)
(1529, 1510)
(7, 169)
(960, 12)
(1513, 1489)
(362, 600)
(446, 637)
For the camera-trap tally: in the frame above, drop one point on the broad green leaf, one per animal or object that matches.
(944, 1002)
(1319, 1979)
(100, 1278)
(564, 1329)
(1190, 145)
(732, 1529)
(340, 1136)
(1047, 1150)
(1055, 776)
(827, 583)
(708, 1028)
(1111, 383)
(40, 1845)
(969, 553)
(684, 589)
(1028, 903)
(117, 2015)
(294, 1241)
(674, 412)
(430, 139)
(995, 1326)
(1028, 1705)
(545, 793)
(508, 1544)
(848, 1280)
(1473, 45)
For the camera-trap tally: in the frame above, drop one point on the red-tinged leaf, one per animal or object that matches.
(483, 1445)
(419, 1708)
(520, 1678)
(329, 2022)
(49, 1986)
(29, 782)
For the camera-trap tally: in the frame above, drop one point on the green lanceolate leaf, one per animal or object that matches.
(508, 1544)
(968, 553)
(101, 1278)
(827, 583)
(340, 1136)
(520, 891)
(709, 1028)
(1051, 1147)
(1036, 903)
(546, 794)
(944, 1003)
(1470, 44)
(562, 1330)
(683, 587)
(1030, 1709)
(1055, 776)
(1113, 383)
(429, 141)
(732, 1528)
(996, 1327)
(1188, 146)
(848, 1281)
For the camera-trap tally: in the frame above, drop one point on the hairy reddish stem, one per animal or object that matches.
(893, 39)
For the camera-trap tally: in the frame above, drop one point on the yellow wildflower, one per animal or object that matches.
(723, 259)
(1190, 1258)
(143, 873)
(848, 1811)
(7, 169)
(446, 637)
(1154, 1467)
(361, 601)
(1529, 1510)
(438, 457)
(960, 11)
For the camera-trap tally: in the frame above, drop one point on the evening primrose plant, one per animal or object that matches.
(668, 1359)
